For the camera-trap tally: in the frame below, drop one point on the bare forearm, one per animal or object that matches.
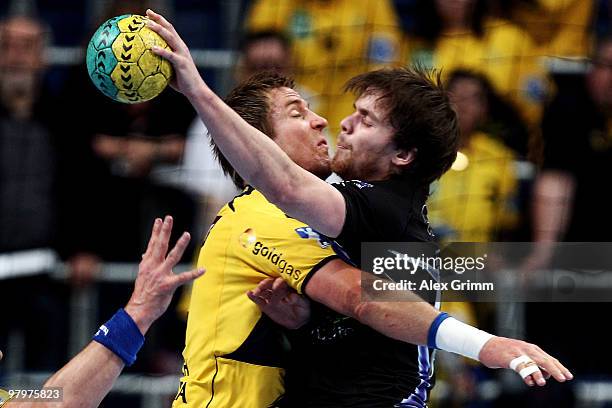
(338, 286)
(89, 376)
(407, 320)
(84, 381)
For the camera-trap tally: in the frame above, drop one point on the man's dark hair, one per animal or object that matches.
(251, 100)
(418, 108)
(504, 120)
(428, 23)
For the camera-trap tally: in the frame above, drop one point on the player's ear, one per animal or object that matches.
(403, 157)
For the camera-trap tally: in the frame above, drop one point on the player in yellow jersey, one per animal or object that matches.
(235, 355)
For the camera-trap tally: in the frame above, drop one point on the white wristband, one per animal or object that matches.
(458, 337)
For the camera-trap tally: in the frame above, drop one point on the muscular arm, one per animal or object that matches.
(337, 285)
(88, 377)
(85, 380)
(254, 155)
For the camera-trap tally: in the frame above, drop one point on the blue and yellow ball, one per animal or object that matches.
(120, 61)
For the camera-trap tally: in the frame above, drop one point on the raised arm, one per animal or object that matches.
(337, 285)
(88, 377)
(254, 155)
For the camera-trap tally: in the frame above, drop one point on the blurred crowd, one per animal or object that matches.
(84, 176)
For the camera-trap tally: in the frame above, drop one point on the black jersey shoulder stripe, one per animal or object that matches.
(247, 190)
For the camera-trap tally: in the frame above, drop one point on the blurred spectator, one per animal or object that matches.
(476, 200)
(570, 204)
(113, 172)
(452, 34)
(577, 129)
(558, 28)
(270, 50)
(333, 40)
(27, 196)
(27, 155)
(267, 50)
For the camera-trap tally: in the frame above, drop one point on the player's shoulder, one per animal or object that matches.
(384, 192)
(251, 200)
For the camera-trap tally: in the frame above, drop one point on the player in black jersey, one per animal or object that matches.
(401, 137)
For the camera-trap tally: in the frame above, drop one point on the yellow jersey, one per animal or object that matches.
(505, 54)
(234, 355)
(559, 28)
(333, 40)
(471, 203)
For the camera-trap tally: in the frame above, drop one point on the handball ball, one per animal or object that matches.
(120, 61)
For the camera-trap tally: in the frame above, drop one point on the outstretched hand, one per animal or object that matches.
(281, 303)
(499, 352)
(187, 79)
(156, 283)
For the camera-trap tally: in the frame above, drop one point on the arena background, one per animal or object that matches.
(81, 177)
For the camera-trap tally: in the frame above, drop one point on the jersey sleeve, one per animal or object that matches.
(289, 249)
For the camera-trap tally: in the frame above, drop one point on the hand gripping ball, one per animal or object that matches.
(120, 61)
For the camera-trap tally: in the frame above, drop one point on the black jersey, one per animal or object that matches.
(340, 362)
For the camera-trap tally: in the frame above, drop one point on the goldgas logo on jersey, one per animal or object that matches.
(277, 259)
(247, 238)
(309, 233)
